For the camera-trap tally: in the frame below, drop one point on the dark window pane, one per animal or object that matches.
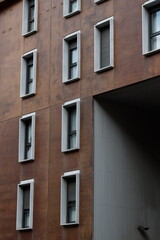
(73, 55)
(105, 46)
(73, 5)
(31, 12)
(29, 78)
(26, 206)
(154, 29)
(71, 199)
(72, 127)
(28, 138)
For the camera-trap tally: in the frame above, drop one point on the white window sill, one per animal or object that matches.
(72, 80)
(29, 33)
(151, 52)
(26, 160)
(68, 224)
(24, 229)
(104, 69)
(28, 95)
(71, 150)
(71, 14)
(100, 1)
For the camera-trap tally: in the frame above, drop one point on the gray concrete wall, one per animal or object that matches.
(126, 173)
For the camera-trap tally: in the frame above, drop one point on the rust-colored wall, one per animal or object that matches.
(50, 163)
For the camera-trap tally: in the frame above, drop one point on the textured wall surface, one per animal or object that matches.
(50, 163)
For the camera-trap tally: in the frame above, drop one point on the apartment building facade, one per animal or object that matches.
(79, 119)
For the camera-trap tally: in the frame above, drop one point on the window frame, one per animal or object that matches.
(65, 68)
(65, 125)
(63, 209)
(23, 81)
(146, 9)
(19, 218)
(25, 18)
(22, 136)
(97, 44)
(66, 7)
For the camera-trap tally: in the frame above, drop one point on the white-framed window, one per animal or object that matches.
(25, 200)
(28, 74)
(30, 17)
(71, 57)
(71, 7)
(99, 1)
(70, 199)
(27, 137)
(71, 125)
(104, 45)
(151, 27)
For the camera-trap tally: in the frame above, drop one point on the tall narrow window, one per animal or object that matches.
(27, 137)
(71, 199)
(25, 197)
(28, 74)
(71, 125)
(29, 77)
(70, 188)
(103, 45)
(155, 29)
(71, 57)
(151, 27)
(26, 206)
(71, 7)
(30, 16)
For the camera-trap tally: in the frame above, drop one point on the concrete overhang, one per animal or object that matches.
(5, 3)
(143, 95)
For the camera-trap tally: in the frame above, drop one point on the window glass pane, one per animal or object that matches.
(155, 42)
(73, 72)
(72, 117)
(26, 206)
(29, 80)
(73, 5)
(72, 127)
(73, 58)
(71, 199)
(32, 13)
(155, 22)
(28, 138)
(72, 141)
(31, 26)
(74, 55)
(105, 46)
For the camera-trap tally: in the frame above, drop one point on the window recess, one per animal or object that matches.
(70, 188)
(27, 137)
(104, 45)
